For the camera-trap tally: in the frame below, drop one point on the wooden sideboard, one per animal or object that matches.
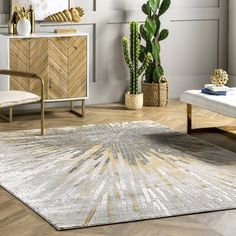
(60, 60)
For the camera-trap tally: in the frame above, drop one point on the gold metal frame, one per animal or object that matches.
(189, 119)
(29, 76)
(73, 111)
(7, 118)
(190, 130)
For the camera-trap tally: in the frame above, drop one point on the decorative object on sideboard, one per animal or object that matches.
(14, 18)
(42, 8)
(219, 77)
(134, 98)
(32, 18)
(154, 86)
(67, 15)
(23, 26)
(25, 18)
(11, 26)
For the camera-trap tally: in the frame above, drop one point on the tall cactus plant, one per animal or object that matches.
(152, 34)
(131, 54)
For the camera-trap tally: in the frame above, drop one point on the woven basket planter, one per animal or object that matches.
(155, 94)
(134, 101)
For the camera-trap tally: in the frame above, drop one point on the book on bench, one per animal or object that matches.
(216, 93)
(215, 88)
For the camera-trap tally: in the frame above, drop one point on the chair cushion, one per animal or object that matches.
(14, 98)
(225, 105)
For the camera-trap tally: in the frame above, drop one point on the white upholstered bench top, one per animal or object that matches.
(13, 98)
(225, 105)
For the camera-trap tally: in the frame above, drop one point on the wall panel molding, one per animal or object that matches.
(107, 21)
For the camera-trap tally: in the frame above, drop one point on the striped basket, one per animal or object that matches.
(134, 101)
(155, 94)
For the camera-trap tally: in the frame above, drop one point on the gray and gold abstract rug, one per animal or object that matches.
(121, 172)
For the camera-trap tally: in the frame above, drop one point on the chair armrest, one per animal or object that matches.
(22, 74)
(25, 75)
(19, 74)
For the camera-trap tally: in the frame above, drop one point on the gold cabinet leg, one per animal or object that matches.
(75, 112)
(189, 119)
(71, 105)
(83, 108)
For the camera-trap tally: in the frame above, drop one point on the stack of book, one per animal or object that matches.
(211, 89)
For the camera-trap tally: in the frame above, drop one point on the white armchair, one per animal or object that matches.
(11, 98)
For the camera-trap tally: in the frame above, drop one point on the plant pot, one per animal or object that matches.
(134, 101)
(23, 27)
(155, 94)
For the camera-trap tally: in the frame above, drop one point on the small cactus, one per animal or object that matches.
(131, 55)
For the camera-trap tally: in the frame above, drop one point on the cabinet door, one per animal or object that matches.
(39, 64)
(19, 61)
(57, 73)
(77, 67)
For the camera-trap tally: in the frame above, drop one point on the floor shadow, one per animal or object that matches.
(223, 140)
(175, 143)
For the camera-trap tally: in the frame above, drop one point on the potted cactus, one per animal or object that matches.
(134, 98)
(155, 85)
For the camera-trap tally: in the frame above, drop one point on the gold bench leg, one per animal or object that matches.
(8, 117)
(189, 119)
(10, 114)
(223, 130)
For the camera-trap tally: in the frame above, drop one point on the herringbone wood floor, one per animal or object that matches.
(18, 220)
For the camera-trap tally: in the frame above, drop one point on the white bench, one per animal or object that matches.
(225, 105)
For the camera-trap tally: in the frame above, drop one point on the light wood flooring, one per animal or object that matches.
(18, 220)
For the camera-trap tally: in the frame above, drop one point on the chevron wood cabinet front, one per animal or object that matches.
(20, 61)
(58, 67)
(62, 62)
(77, 67)
(38, 63)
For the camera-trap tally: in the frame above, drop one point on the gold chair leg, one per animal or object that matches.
(42, 117)
(189, 119)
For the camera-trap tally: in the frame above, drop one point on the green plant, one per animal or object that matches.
(131, 54)
(152, 34)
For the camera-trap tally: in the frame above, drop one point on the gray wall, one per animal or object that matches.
(197, 43)
(232, 42)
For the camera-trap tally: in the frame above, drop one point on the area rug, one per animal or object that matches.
(120, 172)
